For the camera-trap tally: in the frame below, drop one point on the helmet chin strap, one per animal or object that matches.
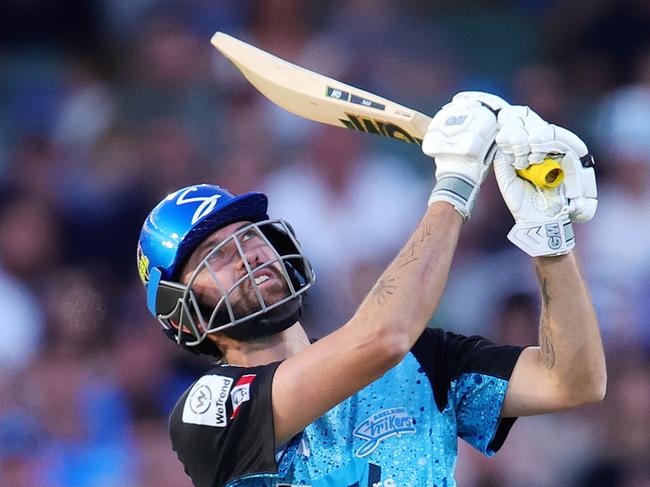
(270, 323)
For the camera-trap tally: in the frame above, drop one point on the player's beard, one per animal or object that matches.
(244, 300)
(244, 303)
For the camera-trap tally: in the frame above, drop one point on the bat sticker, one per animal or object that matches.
(378, 127)
(366, 103)
(338, 94)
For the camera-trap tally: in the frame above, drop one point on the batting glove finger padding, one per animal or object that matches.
(515, 124)
(579, 175)
(542, 225)
(543, 216)
(460, 138)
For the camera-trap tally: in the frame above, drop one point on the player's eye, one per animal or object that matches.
(217, 253)
(248, 235)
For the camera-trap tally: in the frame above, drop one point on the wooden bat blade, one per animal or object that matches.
(319, 98)
(326, 100)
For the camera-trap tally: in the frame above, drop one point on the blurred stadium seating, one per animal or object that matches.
(105, 106)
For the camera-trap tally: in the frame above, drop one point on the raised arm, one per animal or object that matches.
(399, 306)
(567, 369)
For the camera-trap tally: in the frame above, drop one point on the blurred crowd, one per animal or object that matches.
(108, 105)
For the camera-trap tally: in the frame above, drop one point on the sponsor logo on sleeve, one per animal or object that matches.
(206, 401)
(380, 426)
(241, 393)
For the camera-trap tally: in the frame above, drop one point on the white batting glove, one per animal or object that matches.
(543, 217)
(461, 140)
(493, 102)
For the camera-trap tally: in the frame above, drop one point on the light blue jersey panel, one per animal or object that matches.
(391, 434)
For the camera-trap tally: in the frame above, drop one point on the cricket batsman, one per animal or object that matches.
(382, 400)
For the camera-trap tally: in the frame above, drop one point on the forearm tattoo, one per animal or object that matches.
(410, 255)
(384, 288)
(545, 338)
(387, 285)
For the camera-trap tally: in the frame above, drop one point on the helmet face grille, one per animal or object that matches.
(226, 305)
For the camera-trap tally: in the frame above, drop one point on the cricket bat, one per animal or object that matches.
(326, 100)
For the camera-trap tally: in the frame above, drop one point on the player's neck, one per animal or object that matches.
(269, 349)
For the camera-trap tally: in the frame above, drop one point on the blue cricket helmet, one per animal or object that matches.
(179, 222)
(176, 226)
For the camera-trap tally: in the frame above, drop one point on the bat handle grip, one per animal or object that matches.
(547, 174)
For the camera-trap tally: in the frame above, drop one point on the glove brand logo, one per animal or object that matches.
(206, 203)
(554, 235)
(380, 426)
(455, 120)
(206, 401)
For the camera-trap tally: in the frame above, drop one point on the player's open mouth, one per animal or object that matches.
(264, 277)
(261, 279)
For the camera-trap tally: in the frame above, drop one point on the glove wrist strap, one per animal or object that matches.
(551, 237)
(456, 190)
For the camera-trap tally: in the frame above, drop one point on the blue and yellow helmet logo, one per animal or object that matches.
(143, 265)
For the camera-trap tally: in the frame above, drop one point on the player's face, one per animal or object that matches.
(227, 265)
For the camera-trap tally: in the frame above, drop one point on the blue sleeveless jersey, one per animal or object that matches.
(400, 430)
